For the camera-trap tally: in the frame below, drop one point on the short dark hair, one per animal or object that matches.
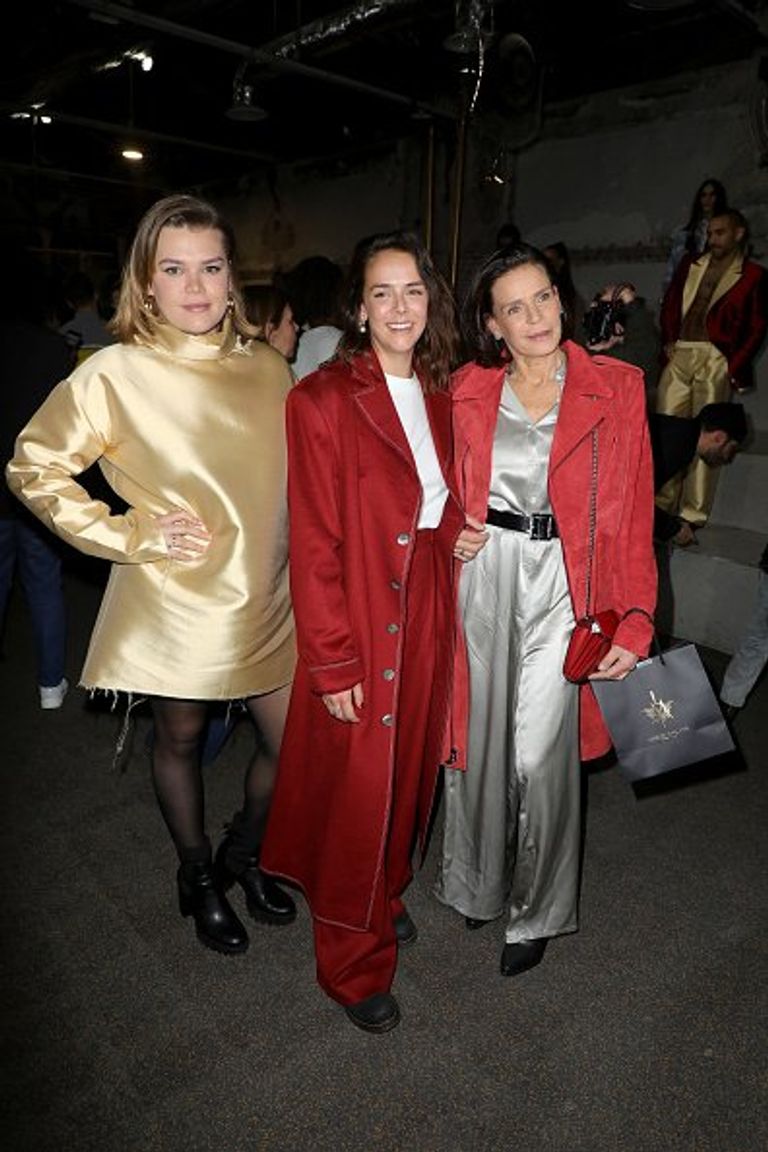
(737, 219)
(508, 234)
(724, 417)
(478, 306)
(313, 288)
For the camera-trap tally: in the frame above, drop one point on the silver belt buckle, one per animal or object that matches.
(541, 526)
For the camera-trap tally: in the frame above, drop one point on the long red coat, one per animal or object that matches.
(354, 498)
(607, 394)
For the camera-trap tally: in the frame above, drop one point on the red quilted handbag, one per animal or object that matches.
(591, 639)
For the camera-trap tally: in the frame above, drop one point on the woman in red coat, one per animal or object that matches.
(528, 414)
(373, 527)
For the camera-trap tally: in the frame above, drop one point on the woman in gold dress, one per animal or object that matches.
(185, 417)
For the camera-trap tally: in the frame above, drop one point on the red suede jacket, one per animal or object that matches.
(601, 393)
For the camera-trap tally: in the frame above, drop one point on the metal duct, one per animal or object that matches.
(257, 55)
(332, 27)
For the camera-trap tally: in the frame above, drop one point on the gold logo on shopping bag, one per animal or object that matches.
(660, 711)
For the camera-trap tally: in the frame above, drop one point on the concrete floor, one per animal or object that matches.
(643, 1032)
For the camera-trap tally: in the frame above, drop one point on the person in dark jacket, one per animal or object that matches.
(714, 437)
(33, 359)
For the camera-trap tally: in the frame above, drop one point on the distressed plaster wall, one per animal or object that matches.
(620, 171)
(611, 176)
(308, 209)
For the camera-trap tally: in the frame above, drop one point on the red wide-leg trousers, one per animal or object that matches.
(353, 965)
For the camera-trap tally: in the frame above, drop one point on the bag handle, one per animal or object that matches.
(592, 525)
(591, 550)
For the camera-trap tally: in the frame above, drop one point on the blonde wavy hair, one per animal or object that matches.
(134, 320)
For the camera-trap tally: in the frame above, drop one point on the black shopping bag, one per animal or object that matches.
(664, 715)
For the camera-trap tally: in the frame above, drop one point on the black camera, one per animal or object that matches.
(600, 321)
(603, 315)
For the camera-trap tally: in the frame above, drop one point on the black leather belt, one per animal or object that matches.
(539, 526)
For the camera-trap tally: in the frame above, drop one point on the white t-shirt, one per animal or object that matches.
(315, 346)
(408, 399)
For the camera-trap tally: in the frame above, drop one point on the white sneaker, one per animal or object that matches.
(54, 697)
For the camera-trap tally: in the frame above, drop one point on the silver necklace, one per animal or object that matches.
(557, 374)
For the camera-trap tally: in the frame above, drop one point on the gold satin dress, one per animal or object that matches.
(193, 422)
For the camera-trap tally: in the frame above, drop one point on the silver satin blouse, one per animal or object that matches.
(512, 821)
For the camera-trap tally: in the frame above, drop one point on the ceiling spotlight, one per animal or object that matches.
(142, 58)
(139, 56)
(35, 114)
(132, 154)
(243, 107)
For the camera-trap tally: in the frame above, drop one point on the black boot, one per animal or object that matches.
(379, 1013)
(265, 899)
(201, 896)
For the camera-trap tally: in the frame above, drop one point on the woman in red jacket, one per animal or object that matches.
(526, 412)
(373, 527)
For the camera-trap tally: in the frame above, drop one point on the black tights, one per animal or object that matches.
(178, 778)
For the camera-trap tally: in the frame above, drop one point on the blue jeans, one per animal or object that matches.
(27, 545)
(751, 656)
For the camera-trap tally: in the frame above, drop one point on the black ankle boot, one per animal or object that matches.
(201, 896)
(265, 899)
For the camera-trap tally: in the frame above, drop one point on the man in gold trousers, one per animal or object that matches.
(714, 318)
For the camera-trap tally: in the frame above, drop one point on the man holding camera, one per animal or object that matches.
(714, 317)
(619, 323)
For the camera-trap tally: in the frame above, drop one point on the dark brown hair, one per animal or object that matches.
(436, 351)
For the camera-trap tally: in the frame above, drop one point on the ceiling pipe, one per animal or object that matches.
(256, 55)
(757, 21)
(325, 28)
(141, 133)
(66, 174)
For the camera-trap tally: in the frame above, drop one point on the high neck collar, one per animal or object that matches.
(213, 345)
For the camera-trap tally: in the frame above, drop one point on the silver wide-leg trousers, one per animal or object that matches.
(512, 820)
